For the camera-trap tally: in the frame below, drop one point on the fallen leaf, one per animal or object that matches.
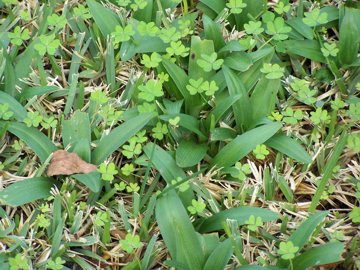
(65, 163)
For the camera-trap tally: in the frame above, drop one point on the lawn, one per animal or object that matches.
(179, 134)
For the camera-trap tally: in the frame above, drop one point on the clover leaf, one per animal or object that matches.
(253, 28)
(287, 250)
(355, 214)
(18, 37)
(210, 62)
(159, 131)
(131, 149)
(57, 264)
(47, 44)
(253, 223)
(122, 34)
(169, 34)
(149, 29)
(82, 12)
(261, 151)
(320, 116)
(177, 48)
(197, 206)
(272, 71)
(130, 243)
(151, 90)
(147, 107)
(209, 87)
(49, 122)
(57, 21)
(278, 29)
(107, 171)
(240, 171)
(132, 187)
(33, 119)
(315, 17)
(354, 111)
(182, 187)
(337, 104)
(194, 86)
(101, 218)
(5, 113)
(99, 97)
(275, 116)
(329, 49)
(281, 8)
(18, 262)
(138, 4)
(236, 6)
(151, 61)
(291, 117)
(127, 169)
(353, 142)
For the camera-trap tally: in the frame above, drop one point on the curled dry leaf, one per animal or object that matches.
(65, 163)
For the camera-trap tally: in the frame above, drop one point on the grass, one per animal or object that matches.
(225, 134)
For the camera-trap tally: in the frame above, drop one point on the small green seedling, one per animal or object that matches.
(261, 151)
(120, 186)
(253, 223)
(122, 34)
(42, 221)
(174, 121)
(108, 171)
(315, 17)
(130, 243)
(57, 21)
(337, 104)
(82, 12)
(272, 71)
(99, 97)
(236, 6)
(138, 4)
(197, 206)
(101, 218)
(275, 116)
(18, 37)
(159, 131)
(287, 250)
(210, 62)
(353, 142)
(354, 111)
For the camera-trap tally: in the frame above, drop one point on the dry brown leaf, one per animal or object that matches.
(65, 163)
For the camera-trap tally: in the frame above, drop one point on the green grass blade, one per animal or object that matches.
(328, 171)
(219, 258)
(306, 48)
(289, 147)
(189, 153)
(117, 137)
(18, 110)
(324, 254)
(244, 144)
(241, 214)
(36, 140)
(26, 191)
(91, 180)
(178, 233)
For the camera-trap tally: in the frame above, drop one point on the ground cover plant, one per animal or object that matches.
(179, 134)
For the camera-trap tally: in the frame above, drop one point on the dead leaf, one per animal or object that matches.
(65, 163)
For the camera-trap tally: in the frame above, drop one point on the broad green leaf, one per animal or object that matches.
(37, 141)
(301, 236)
(239, 61)
(219, 258)
(223, 106)
(189, 153)
(212, 31)
(30, 92)
(263, 98)
(118, 136)
(91, 180)
(76, 128)
(14, 106)
(26, 191)
(104, 17)
(178, 233)
(306, 48)
(167, 167)
(298, 25)
(289, 147)
(244, 144)
(349, 36)
(241, 214)
(321, 255)
(242, 108)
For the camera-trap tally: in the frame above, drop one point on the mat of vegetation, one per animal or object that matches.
(179, 134)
